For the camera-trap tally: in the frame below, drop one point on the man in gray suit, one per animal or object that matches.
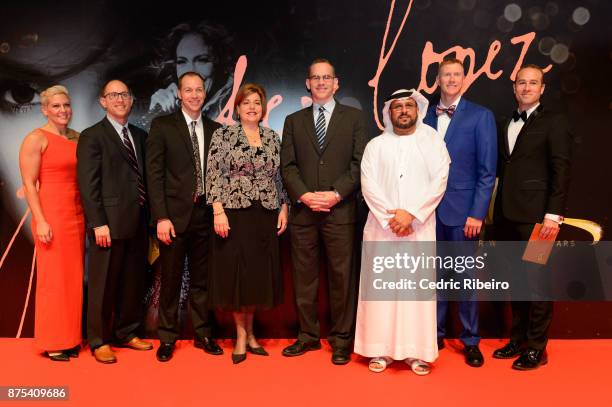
(320, 159)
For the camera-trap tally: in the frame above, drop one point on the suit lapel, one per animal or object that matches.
(308, 122)
(183, 131)
(532, 117)
(115, 138)
(505, 140)
(138, 143)
(335, 118)
(431, 119)
(457, 116)
(209, 129)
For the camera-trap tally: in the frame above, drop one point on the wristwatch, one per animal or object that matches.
(338, 196)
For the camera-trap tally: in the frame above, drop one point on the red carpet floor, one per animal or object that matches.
(578, 374)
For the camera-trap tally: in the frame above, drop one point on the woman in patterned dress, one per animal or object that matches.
(250, 208)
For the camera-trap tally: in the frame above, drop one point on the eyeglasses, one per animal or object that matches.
(116, 95)
(325, 78)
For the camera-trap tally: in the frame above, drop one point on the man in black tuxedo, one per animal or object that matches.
(320, 158)
(534, 172)
(177, 148)
(110, 171)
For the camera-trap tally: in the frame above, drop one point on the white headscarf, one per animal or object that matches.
(422, 104)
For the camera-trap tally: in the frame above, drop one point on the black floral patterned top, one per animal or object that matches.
(238, 174)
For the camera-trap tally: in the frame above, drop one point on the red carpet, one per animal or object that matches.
(578, 374)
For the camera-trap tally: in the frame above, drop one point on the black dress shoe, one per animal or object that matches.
(209, 345)
(510, 350)
(473, 356)
(164, 352)
(440, 343)
(341, 356)
(238, 358)
(257, 351)
(299, 348)
(530, 359)
(60, 357)
(73, 352)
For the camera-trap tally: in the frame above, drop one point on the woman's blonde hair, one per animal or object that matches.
(46, 94)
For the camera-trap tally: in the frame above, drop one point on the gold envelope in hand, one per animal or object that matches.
(538, 249)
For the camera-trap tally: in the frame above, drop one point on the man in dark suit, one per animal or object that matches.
(110, 171)
(320, 158)
(471, 140)
(534, 171)
(177, 148)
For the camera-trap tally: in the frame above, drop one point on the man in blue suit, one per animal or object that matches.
(471, 140)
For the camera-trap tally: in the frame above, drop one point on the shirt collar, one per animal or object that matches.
(329, 106)
(530, 110)
(188, 119)
(456, 103)
(116, 125)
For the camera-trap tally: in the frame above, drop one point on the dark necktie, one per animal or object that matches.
(320, 127)
(199, 189)
(516, 116)
(450, 111)
(129, 148)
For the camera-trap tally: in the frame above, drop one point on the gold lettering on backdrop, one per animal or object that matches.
(272, 103)
(384, 58)
(429, 57)
(225, 116)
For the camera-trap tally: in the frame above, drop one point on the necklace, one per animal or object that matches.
(254, 139)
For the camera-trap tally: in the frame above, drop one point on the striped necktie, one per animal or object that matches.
(320, 127)
(129, 148)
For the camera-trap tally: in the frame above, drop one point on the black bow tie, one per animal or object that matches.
(516, 115)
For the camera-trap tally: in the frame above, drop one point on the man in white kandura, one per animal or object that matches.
(403, 178)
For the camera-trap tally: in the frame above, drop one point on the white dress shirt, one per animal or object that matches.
(119, 129)
(327, 112)
(514, 128)
(443, 119)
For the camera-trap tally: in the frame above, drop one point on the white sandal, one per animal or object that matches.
(419, 367)
(378, 365)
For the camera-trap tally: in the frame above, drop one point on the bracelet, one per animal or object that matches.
(219, 213)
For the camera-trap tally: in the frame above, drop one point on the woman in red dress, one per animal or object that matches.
(47, 160)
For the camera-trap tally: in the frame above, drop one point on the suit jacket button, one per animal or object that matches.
(321, 162)
(507, 161)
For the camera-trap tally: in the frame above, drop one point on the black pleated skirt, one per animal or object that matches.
(245, 267)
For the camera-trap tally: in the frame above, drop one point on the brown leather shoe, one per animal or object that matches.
(137, 344)
(104, 354)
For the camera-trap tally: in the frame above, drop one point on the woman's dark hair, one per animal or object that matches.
(214, 35)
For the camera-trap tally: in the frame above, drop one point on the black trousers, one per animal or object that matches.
(116, 288)
(193, 243)
(530, 319)
(338, 240)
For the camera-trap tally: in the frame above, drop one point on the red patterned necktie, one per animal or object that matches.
(450, 111)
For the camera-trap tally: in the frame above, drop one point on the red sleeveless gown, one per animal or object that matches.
(59, 278)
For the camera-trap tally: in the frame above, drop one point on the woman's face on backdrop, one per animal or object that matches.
(194, 55)
(37, 57)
